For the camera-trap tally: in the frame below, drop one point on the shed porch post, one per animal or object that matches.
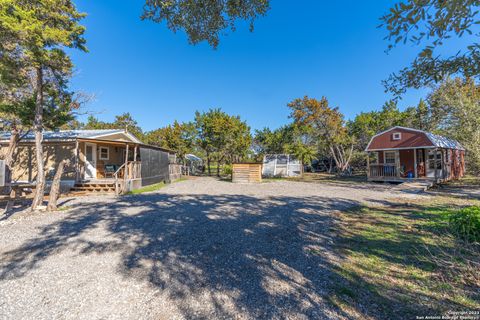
(435, 163)
(368, 164)
(397, 162)
(415, 163)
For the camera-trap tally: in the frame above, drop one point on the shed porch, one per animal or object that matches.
(427, 164)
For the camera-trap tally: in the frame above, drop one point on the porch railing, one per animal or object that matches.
(134, 170)
(383, 171)
(127, 171)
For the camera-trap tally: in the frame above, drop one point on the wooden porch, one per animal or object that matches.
(416, 164)
(104, 159)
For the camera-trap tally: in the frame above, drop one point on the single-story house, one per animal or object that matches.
(403, 153)
(99, 157)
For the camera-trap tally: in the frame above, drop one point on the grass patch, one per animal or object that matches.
(150, 188)
(403, 259)
(468, 181)
(153, 187)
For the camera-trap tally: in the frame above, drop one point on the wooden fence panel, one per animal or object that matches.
(247, 172)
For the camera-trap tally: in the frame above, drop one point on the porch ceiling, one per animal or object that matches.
(112, 142)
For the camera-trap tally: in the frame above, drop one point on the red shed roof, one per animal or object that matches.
(405, 138)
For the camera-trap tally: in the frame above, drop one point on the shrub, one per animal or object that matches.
(466, 223)
(227, 169)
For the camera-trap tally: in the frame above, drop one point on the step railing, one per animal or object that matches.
(118, 184)
(128, 171)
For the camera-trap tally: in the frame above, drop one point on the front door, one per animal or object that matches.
(90, 161)
(434, 162)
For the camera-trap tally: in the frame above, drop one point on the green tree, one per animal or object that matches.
(418, 117)
(455, 108)
(222, 137)
(204, 20)
(179, 137)
(41, 30)
(238, 141)
(267, 141)
(210, 126)
(328, 125)
(367, 124)
(429, 24)
(303, 146)
(124, 121)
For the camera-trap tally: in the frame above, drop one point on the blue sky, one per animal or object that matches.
(310, 47)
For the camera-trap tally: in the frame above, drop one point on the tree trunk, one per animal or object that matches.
(208, 164)
(55, 189)
(38, 128)
(219, 163)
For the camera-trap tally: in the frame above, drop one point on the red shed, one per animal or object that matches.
(405, 153)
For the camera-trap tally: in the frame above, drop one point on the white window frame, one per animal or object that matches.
(397, 136)
(100, 156)
(385, 157)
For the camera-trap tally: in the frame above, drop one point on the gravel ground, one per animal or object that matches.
(199, 248)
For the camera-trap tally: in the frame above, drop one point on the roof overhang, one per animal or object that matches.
(128, 135)
(404, 148)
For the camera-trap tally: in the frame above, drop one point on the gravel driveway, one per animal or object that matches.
(198, 249)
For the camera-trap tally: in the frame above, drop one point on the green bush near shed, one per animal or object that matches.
(466, 223)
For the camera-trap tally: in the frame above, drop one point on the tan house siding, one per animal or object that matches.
(25, 167)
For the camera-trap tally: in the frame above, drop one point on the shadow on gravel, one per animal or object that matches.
(237, 255)
(224, 256)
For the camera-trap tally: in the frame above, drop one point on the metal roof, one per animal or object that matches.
(443, 142)
(193, 157)
(436, 140)
(67, 134)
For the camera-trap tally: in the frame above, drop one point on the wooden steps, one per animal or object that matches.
(89, 188)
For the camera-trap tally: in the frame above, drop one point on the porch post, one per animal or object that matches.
(125, 171)
(415, 163)
(76, 162)
(444, 164)
(435, 163)
(397, 162)
(135, 153)
(368, 164)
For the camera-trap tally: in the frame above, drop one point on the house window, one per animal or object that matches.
(390, 158)
(397, 136)
(374, 157)
(104, 153)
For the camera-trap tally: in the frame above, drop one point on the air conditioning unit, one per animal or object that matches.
(2, 173)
